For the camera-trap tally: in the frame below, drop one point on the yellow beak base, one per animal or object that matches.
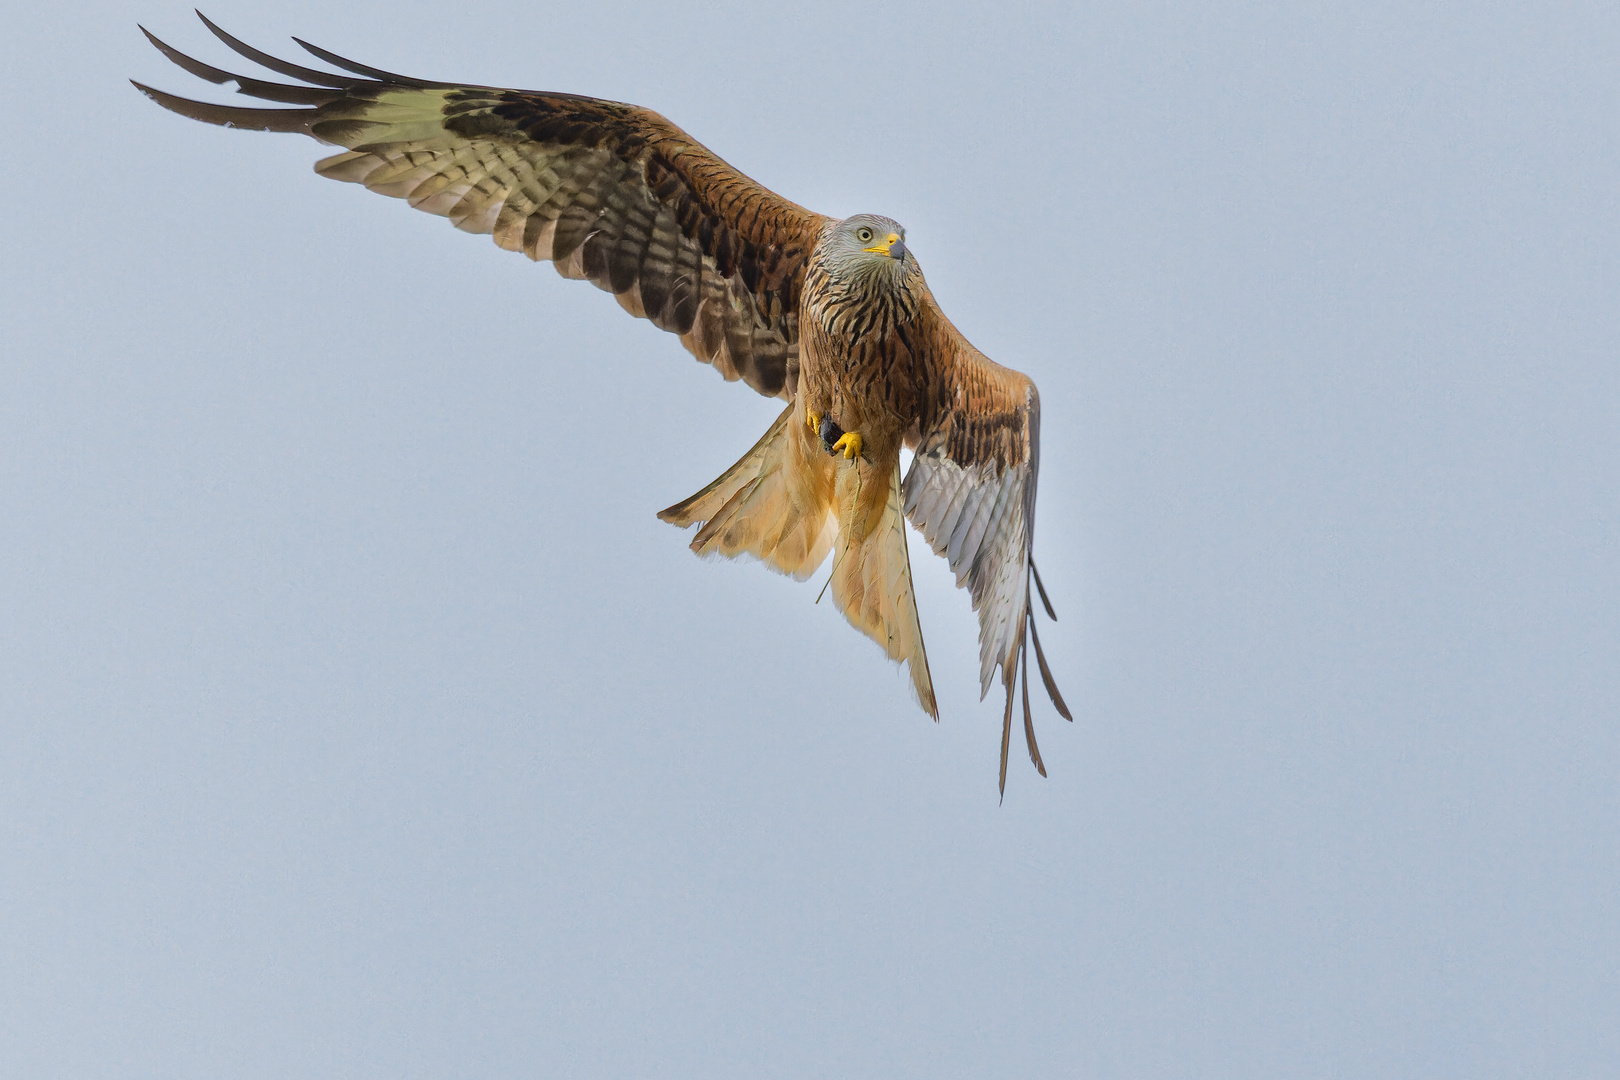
(883, 248)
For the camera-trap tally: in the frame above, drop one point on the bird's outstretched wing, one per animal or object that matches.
(971, 491)
(608, 192)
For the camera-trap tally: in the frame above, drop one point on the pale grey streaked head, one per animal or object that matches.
(867, 244)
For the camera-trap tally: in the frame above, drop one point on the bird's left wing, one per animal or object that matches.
(971, 491)
(608, 192)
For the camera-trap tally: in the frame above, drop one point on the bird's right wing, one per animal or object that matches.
(971, 492)
(608, 192)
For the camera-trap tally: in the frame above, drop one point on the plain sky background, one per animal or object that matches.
(359, 719)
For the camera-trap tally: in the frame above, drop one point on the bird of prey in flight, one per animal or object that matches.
(832, 316)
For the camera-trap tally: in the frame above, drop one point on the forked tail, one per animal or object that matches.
(787, 503)
(871, 575)
(765, 507)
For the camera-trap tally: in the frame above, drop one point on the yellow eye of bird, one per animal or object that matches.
(864, 235)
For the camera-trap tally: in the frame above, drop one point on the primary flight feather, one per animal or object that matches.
(831, 315)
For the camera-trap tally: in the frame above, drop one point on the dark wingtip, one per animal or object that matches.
(361, 69)
(1029, 721)
(186, 63)
(1046, 674)
(289, 121)
(1006, 738)
(258, 88)
(1050, 614)
(275, 64)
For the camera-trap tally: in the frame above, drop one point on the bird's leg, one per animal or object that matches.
(834, 439)
(850, 443)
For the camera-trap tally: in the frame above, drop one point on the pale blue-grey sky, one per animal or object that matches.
(359, 719)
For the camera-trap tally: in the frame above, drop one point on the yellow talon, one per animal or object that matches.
(850, 444)
(813, 418)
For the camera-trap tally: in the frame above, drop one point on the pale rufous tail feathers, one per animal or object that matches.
(871, 577)
(787, 503)
(764, 507)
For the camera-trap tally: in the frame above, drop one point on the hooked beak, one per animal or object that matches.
(892, 246)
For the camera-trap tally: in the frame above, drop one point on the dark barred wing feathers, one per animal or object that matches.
(608, 192)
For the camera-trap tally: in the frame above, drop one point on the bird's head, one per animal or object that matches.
(865, 245)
